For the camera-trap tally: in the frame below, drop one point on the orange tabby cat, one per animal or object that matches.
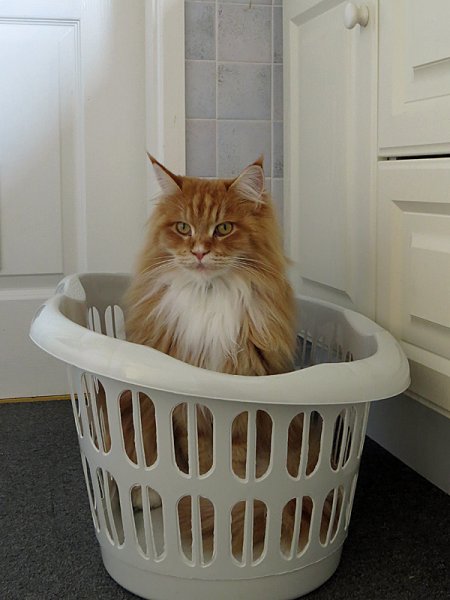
(211, 289)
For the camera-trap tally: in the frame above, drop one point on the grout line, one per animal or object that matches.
(238, 120)
(216, 174)
(272, 95)
(201, 119)
(200, 60)
(232, 62)
(237, 3)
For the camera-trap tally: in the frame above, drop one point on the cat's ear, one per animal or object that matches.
(250, 183)
(169, 183)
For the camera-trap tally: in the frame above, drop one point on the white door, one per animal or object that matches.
(330, 154)
(74, 182)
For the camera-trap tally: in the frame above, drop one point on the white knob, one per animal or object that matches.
(355, 15)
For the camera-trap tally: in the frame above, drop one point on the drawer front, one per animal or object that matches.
(414, 71)
(413, 291)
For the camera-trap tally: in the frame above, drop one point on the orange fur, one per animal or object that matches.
(252, 252)
(249, 266)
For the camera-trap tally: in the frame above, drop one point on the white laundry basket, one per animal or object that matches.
(143, 550)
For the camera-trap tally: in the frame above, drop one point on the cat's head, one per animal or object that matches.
(206, 227)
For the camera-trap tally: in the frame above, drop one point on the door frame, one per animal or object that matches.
(165, 83)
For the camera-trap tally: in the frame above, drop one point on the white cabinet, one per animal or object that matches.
(330, 160)
(413, 259)
(413, 249)
(414, 67)
(367, 154)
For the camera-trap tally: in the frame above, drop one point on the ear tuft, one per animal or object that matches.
(169, 183)
(259, 161)
(250, 183)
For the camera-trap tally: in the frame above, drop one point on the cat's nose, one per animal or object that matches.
(199, 255)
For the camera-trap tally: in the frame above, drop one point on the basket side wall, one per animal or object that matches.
(342, 436)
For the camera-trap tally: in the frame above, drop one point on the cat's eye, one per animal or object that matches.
(183, 228)
(223, 229)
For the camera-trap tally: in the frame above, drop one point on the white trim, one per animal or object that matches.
(415, 434)
(49, 9)
(428, 404)
(165, 82)
(42, 294)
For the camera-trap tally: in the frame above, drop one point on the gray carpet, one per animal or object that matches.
(398, 546)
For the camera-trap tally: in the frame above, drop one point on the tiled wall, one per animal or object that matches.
(234, 104)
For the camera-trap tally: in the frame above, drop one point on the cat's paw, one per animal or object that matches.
(136, 498)
(155, 499)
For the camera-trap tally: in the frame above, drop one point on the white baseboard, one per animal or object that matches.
(415, 434)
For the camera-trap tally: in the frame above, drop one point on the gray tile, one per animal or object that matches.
(240, 143)
(277, 2)
(278, 35)
(249, 2)
(244, 33)
(200, 30)
(244, 91)
(277, 149)
(200, 89)
(278, 92)
(201, 148)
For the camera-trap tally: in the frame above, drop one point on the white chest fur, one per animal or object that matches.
(206, 318)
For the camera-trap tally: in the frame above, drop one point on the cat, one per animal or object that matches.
(211, 286)
(211, 289)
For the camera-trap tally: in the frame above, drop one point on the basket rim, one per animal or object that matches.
(382, 375)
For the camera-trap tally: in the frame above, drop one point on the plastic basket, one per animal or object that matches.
(350, 362)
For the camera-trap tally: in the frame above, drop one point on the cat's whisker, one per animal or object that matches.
(258, 263)
(163, 262)
(154, 266)
(255, 268)
(158, 265)
(159, 259)
(249, 271)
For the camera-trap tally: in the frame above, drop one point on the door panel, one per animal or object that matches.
(414, 268)
(329, 152)
(32, 134)
(73, 189)
(40, 188)
(414, 91)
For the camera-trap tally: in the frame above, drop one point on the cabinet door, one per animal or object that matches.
(414, 269)
(414, 91)
(330, 151)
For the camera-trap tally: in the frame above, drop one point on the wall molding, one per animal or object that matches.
(415, 434)
(29, 399)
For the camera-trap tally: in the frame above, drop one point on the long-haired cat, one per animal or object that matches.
(211, 289)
